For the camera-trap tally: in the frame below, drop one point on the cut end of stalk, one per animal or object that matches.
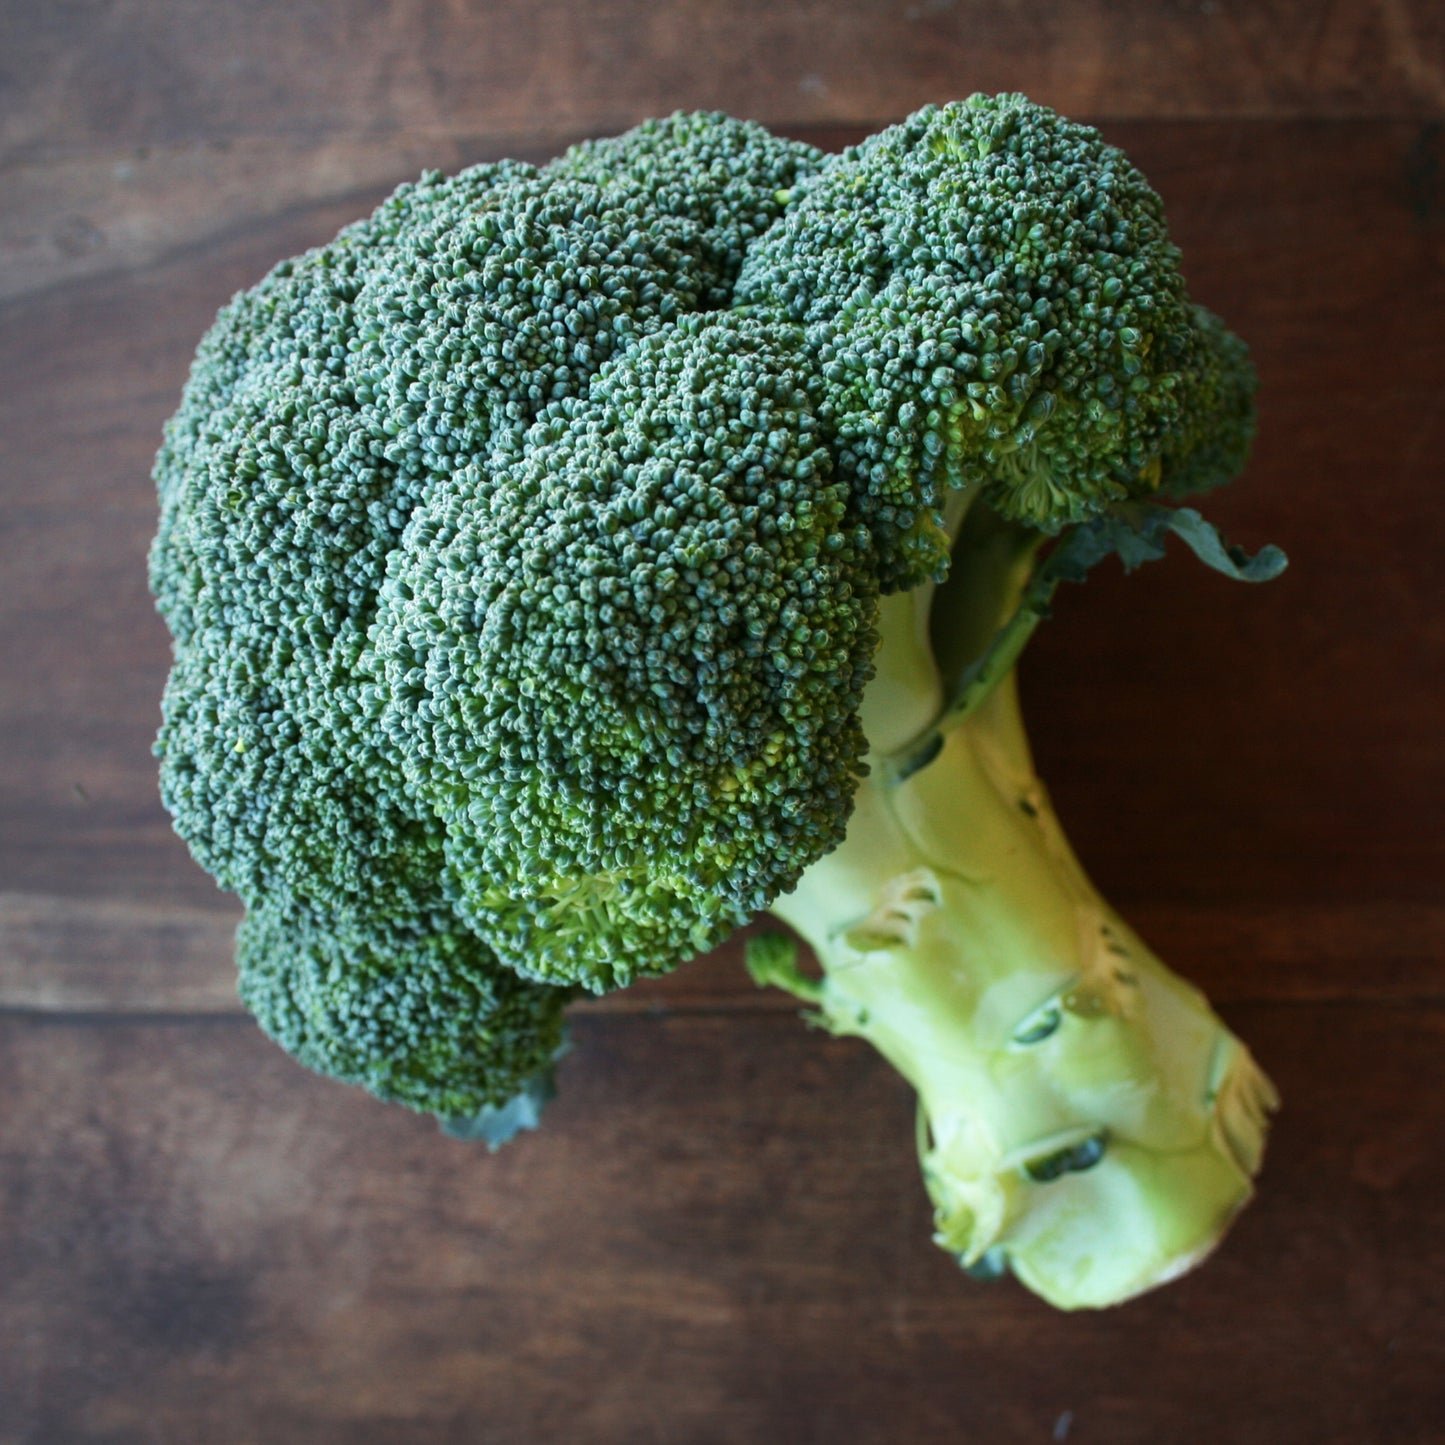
(1094, 1219)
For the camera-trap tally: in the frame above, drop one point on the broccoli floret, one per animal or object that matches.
(731, 179)
(624, 667)
(992, 295)
(408, 1004)
(568, 565)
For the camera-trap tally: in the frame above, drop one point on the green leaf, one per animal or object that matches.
(497, 1123)
(1136, 532)
(1203, 539)
(772, 959)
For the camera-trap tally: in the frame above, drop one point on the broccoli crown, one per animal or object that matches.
(434, 363)
(991, 293)
(624, 664)
(523, 546)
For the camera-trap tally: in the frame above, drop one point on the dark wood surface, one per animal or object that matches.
(720, 1236)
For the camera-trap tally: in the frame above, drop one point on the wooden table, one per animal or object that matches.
(720, 1235)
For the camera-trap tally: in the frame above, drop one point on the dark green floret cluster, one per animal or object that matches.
(613, 662)
(527, 547)
(407, 1004)
(334, 747)
(993, 297)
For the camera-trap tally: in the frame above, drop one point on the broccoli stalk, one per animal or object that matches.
(1084, 1118)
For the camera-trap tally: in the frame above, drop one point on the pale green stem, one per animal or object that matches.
(1086, 1120)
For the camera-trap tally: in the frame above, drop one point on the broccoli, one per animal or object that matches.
(568, 565)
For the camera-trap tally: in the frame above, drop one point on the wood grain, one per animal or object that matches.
(86, 956)
(114, 74)
(719, 1237)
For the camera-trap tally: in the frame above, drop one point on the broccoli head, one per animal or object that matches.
(567, 565)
